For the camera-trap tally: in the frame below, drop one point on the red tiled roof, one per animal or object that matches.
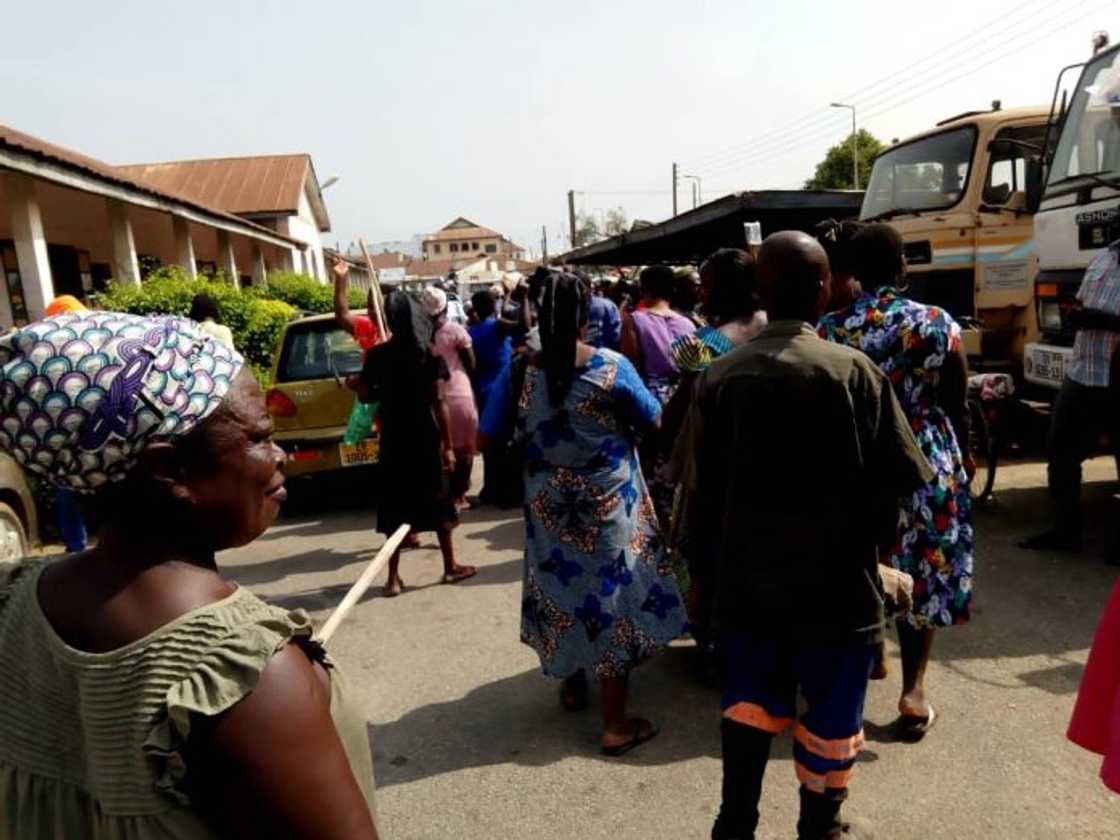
(259, 184)
(19, 141)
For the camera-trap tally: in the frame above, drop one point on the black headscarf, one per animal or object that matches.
(411, 327)
(563, 312)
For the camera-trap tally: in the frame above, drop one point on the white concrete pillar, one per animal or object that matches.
(184, 246)
(260, 270)
(227, 261)
(126, 268)
(31, 247)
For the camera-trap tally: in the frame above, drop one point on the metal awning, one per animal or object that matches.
(692, 236)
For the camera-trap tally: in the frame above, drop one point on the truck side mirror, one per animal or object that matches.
(1035, 177)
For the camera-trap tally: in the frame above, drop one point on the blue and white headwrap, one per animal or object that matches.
(81, 395)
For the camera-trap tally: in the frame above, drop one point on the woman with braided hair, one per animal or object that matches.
(599, 594)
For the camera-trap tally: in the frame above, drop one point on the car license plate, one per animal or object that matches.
(363, 452)
(1045, 365)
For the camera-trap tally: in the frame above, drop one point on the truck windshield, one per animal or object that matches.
(1090, 140)
(928, 174)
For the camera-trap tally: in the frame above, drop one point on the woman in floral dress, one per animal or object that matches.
(599, 595)
(919, 348)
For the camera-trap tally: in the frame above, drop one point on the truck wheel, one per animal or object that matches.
(983, 451)
(13, 536)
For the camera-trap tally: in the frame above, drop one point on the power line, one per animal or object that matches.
(770, 151)
(823, 117)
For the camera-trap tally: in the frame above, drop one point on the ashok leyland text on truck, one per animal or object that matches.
(1078, 209)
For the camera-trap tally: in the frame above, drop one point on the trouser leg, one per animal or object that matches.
(1069, 440)
(746, 751)
(829, 737)
(758, 702)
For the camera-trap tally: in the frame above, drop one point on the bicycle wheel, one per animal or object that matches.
(983, 451)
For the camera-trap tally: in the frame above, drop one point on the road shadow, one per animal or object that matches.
(320, 560)
(505, 535)
(518, 720)
(328, 525)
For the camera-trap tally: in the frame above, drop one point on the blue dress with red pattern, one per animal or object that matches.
(598, 590)
(910, 342)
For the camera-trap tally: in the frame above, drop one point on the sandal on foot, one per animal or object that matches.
(460, 574)
(637, 740)
(916, 727)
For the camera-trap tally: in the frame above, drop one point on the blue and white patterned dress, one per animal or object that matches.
(598, 590)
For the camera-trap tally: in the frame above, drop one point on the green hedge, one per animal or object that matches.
(254, 317)
(305, 293)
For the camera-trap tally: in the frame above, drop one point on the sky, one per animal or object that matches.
(493, 110)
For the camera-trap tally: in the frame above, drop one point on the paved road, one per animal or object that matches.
(469, 740)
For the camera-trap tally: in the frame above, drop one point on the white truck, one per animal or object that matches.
(1076, 189)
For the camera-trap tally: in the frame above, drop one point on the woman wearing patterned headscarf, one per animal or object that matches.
(599, 595)
(141, 693)
(417, 455)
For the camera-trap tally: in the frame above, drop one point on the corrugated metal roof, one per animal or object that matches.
(242, 185)
(463, 233)
(19, 141)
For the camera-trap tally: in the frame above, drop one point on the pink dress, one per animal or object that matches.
(1096, 717)
(456, 391)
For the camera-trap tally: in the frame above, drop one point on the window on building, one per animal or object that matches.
(455, 247)
(491, 248)
(474, 246)
(436, 248)
(14, 283)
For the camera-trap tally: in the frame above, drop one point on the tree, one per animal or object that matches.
(587, 230)
(615, 222)
(835, 171)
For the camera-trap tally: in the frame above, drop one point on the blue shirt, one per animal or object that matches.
(604, 323)
(491, 354)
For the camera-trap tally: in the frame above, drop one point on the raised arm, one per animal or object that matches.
(342, 312)
(274, 766)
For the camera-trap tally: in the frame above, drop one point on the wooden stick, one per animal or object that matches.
(378, 301)
(363, 583)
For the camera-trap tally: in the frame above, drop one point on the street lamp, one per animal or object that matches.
(697, 195)
(855, 156)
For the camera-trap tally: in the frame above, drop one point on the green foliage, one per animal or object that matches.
(306, 293)
(615, 222)
(587, 230)
(255, 319)
(835, 171)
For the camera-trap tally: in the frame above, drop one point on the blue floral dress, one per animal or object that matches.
(598, 590)
(910, 341)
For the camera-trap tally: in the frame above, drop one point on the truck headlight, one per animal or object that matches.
(1050, 317)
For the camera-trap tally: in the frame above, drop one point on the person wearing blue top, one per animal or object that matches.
(598, 592)
(604, 323)
(490, 337)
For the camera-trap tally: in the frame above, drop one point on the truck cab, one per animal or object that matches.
(1078, 211)
(957, 195)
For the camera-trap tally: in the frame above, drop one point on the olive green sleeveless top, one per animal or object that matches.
(94, 745)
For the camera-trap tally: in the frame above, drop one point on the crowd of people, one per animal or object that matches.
(766, 453)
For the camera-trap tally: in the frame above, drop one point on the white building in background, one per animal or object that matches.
(280, 192)
(71, 222)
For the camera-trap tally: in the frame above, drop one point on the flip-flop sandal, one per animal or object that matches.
(638, 739)
(460, 574)
(914, 727)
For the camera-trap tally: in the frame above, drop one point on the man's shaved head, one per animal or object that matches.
(793, 276)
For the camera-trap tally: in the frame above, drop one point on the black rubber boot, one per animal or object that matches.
(820, 818)
(745, 753)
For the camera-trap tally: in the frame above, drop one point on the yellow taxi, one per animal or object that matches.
(309, 401)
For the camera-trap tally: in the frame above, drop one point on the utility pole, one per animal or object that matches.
(855, 147)
(544, 243)
(675, 179)
(572, 215)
